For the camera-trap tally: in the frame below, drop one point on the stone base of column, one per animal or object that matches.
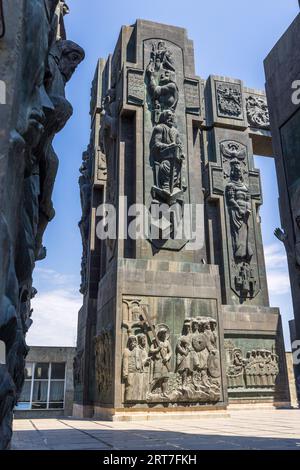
(144, 414)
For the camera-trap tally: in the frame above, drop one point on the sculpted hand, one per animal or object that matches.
(280, 235)
(172, 145)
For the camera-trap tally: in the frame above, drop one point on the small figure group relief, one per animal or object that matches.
(166, 147)
(148, 374)
(258, 370)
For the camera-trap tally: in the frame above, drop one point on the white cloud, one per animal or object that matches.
(278, 284)
(277, 269)
(55, 309)
(275, 256)
(53, 277)
(54, 318)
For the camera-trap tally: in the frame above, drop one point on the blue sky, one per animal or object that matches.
(231, 38)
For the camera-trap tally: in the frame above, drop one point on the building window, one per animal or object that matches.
(44, 386)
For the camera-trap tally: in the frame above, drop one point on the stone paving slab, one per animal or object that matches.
(244, 429)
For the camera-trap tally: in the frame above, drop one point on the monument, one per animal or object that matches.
(36, 63)
(282, 71)
(173, 323)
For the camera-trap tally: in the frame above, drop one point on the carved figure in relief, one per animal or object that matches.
(251, 369)
(163, 90)
(130, 369)
(213, 361)
(108, 135)
(78, 368)
(200, 344)
(104, 360)
(161, 354)
(63, 59)
(144, 366)
(161, 76)
(274, 368)
(85, 185)
(239, 205)
(235, 371)
(167, 154)
(41, 110)
(258, 370)
(186, 358)
(262, 369)
(108, 131)
(161, 56)
(245, 282)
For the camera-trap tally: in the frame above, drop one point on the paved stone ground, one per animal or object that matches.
(255, 429)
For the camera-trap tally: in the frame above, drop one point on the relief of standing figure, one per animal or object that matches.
(161, 76)
(239, 206)
(130, 368)
(161, 353)
(167, 157)
(185, 354)
(144, 366)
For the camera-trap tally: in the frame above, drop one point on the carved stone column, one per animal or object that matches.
(158, 336)
(282, 70)
(36, 63)
(165, 304)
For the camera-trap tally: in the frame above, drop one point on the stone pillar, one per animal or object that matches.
(159, 336)
(237, 126)
(36, 63)
(282, 69)
(165, 304)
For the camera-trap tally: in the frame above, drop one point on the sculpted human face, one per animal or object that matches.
(236, 172)
(132, 344)
(142, 341)
(162, 335)
(157, 63)
(170, 119)
(34, 97)
(71, 56)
